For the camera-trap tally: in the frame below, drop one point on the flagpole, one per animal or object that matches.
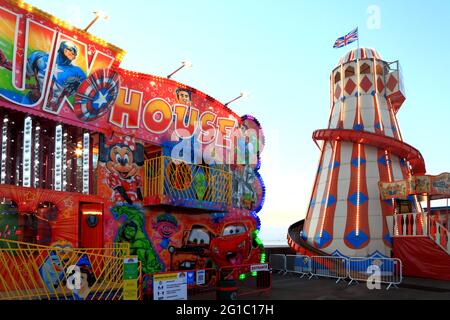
(357, 30)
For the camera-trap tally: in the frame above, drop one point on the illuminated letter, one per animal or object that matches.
(188, 125)
(157, 116)
(207, 129)
(127, 106)
(226, 126)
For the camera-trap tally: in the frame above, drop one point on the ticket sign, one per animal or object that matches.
(259, 267)
(170, 286)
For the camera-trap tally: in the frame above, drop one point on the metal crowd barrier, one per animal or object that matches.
(278, 263)
(371, 270)
(376, 270)
(329, 267)
(298, 265)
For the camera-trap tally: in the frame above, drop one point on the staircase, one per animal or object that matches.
(422, 243)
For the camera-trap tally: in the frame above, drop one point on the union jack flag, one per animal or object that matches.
(345, 40)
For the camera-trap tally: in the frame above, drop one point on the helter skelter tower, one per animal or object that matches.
(362, 146)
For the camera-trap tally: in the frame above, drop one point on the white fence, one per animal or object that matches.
(422, 225)
(411, 225)
(440, 235)
(371, 270)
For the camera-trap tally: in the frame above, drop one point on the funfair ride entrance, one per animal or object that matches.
(420, 237)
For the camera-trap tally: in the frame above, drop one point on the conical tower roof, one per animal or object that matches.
(360, 53)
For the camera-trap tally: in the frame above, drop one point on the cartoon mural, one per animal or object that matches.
(53, 270)
(247, 190)
(123, 158)
(184, 96)
(56, 271)
(88, 278)
(233, 245)
(166, 226)
(207, 240)
(133, 232)
(194, 253)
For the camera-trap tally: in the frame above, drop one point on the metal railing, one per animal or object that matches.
(298, 265)
(176, 179)
(371, 270)
(422, 225)
(329, 267)
(34, 272)
(440, 235)
(375, 270)
(411, 225)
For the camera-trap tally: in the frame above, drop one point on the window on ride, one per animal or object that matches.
(379, 69)
(364, 69)
(349, 72)
(337, 77)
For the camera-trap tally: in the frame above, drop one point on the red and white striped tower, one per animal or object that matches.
(362, 146)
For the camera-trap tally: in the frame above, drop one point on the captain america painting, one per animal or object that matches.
(66, 77)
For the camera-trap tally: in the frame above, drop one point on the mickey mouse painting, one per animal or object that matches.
(123, 158)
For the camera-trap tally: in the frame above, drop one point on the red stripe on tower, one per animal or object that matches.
(324, 230)
(378, 125)
(357, 232)
(387, 207)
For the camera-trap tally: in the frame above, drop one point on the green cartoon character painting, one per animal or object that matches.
(132, 232)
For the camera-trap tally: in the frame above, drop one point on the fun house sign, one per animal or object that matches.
(51, 70)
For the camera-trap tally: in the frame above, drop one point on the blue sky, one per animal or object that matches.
(281, 53)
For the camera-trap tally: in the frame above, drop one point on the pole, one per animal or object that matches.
(429, 214)
(446, 218)
(173, 73)
(226, 104)
(91, 24)
(357, 31)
